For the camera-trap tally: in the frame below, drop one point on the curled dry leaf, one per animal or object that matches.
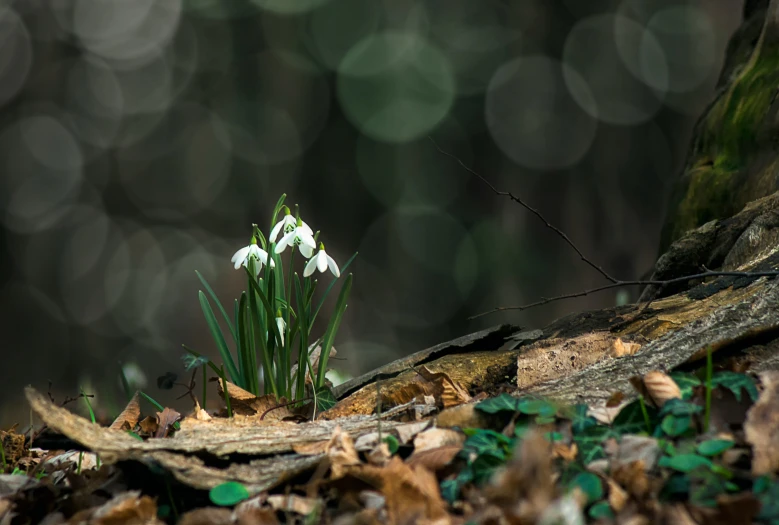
(634, 479)
(618, 498)
(762, 426)
(525, 488)
(148, 426)
(341, 453)
(661, 387)
(633, 448)
(622, 348)
(565, 452)
(129, 416)
(294, 503)
(207, 516)
(434, 459)
(128, 507)
(407, 432)
(380, 455)
(436, 438)
(245, 403)
(165, 420)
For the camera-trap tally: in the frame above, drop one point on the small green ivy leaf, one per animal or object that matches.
(580, 421)
(678, 407)
(544, 420)
(686, 382)
(685, 462)
(590, 484)
(536, 407)
(325, 399)
(228, 494)
(392, 443)
(676, 425)
(714, 447)
(735, 383)
(450, 489)
(601, 511)
(501, 403)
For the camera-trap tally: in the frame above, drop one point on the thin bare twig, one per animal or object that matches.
(614, 282)
(619, 284)
(529, 208)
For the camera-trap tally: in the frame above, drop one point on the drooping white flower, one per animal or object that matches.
(321, 261)
(282, 326)
(242, 256)
(300, 236)
(287, 224)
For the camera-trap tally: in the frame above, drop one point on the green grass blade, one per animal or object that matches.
(330, 287)
(89, 407)
(332, 328)
(244, 360)
(216, 333)
(259, 325)
(218, 304)
(302, 324)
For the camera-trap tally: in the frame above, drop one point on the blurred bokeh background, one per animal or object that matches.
(140, 139)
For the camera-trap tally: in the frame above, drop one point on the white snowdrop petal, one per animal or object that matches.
(309, 267)
(333, 266)
(321, 261)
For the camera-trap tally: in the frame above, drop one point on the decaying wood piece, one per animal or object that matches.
(271, 443)
(586, 357)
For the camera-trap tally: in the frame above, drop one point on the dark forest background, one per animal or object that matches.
(140, 140)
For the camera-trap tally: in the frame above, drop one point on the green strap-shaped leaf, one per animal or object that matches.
(332, 329)
(218, 304)
(216, 333)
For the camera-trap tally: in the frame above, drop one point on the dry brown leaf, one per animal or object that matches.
(294, 503)
(380, 455)
(407, 432)
(621, 348)
(762, 426)
(129, 416)
(677, 514)
(633, 448)
(148, 426)
(165, 420)
(245, 403)
(615, 399)
(128, 508)
(565, 452)
(633, 478)
(661, 387)
(525, 488)
(206, 516)
(412, 494)
(436, 438)
(254, 512)
(618, 498)
(434, 459)
(341, 453)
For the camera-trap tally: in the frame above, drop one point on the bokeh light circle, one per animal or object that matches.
(333, 29)
(15, 54)
(616, 95)
(687, 37)
(395, 86)
(532, 117)
(43, 166)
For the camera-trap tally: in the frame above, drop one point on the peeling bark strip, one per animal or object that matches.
(219, 438)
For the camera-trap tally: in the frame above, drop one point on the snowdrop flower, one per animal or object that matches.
(321, 261)
(287, 224)
(260, 255)
(301, 236)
